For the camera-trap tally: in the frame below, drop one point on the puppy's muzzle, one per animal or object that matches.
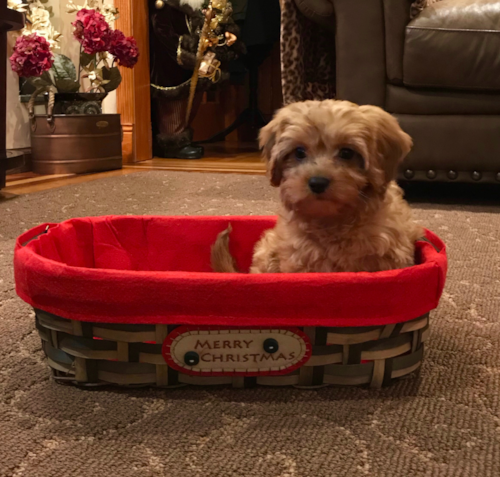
(318, 185)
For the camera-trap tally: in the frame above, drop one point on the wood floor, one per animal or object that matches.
(241, 159)
(222, 158)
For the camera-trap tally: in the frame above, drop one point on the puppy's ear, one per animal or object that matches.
(267, 141)
(393, 143)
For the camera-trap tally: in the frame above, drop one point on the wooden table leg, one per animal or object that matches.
(9, 20)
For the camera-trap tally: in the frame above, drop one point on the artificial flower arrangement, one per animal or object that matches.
(101, 49)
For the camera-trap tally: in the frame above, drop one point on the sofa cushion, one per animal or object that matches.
(454, 44)
(402, 100)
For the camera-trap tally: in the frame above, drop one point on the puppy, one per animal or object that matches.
(335, 164)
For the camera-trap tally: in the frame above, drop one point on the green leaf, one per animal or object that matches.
(113, 78)
(67, 86)
(27, 87)
(63, 68)
(38, 81)
(86, 59)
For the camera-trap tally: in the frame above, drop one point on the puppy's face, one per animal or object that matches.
(332, 156)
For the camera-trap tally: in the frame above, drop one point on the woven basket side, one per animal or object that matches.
(97, 354)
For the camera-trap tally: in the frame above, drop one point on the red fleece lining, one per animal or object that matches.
(157, 270)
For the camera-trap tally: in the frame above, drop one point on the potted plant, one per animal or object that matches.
(70, 137)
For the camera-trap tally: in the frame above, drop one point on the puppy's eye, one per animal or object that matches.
(346, 153)
(300, 153)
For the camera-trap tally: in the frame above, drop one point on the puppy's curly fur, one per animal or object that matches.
(357, 220)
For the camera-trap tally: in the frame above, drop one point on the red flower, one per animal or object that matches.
(92, 31)
(32, 56)
(124, 49)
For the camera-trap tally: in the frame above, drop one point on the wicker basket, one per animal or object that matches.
(124, 337)
(98, 354)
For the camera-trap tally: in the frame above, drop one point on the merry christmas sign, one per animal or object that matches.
(236, 352)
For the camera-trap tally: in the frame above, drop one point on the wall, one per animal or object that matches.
(17, 114)
(18, 134)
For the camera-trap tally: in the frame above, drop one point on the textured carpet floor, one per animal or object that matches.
(446, 423)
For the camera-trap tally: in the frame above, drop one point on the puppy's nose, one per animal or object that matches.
(318, 185)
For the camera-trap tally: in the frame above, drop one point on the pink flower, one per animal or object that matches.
(124, 49)
(32, 56)
(92, 31)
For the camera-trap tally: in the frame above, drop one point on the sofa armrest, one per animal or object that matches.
(360, 51)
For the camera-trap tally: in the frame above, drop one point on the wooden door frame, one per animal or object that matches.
(133, 99)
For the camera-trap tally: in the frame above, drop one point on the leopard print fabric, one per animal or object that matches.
(418, 5)
(307, 57)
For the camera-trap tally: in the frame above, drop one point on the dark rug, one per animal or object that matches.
(443, 423)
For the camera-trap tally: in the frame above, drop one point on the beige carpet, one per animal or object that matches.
(444, 424)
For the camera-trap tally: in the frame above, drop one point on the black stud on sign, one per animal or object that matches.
(271, 345)
(191, 358)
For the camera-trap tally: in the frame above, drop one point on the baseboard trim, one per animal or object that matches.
(19, 160)
(128, 144)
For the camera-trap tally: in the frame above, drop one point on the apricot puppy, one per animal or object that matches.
(341, 211)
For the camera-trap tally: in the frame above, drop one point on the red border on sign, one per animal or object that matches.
(184, 329)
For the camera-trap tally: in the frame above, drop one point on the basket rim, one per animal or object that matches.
(431, 258)
(31, 269)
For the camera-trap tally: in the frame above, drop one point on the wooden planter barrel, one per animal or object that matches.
(76, 144)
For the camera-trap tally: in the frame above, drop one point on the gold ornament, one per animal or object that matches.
(230, 38)
(159, 4)
(208, 38)
(210, 67)
(219, 4)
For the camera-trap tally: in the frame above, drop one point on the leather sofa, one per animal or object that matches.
(439, 74)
